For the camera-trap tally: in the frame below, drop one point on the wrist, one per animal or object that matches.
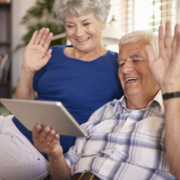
(171, 95)
(55, 156)
(57, 152)
(170, 88)
(27, 72)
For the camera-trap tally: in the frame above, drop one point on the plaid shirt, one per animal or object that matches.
(123, 143)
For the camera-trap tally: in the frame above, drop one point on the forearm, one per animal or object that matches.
(172, 134)
(166, 72)
(59, 168)
(24, 88)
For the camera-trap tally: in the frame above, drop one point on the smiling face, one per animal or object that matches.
(84, 32)
(134, 72)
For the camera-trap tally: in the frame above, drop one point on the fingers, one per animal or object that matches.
(161, 39)
(151, 55)
(47, 56)
(49, 52)
(175, 38)
(166, 45)
(36, 131)
(44, 36)
(178, 43)
(33, 37)
(54, 141)
(48, 41)
(39, 36)
(44, 138)
(174, 43)
(43, 135)
(168, 35)
(51, 139)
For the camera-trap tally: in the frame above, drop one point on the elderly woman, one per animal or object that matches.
(82, 76)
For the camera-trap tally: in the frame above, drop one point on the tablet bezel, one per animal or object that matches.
(47, 113)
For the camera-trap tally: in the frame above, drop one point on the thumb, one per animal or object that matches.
(150, 55)
(47, 55)
(36, 130)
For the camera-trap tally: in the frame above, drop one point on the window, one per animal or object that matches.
(142, 14)
(131, 15)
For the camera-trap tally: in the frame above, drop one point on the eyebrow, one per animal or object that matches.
(68, 22)
(120, 59)
(135, 55)
(82, 21)
(131, 56)
(86, 19)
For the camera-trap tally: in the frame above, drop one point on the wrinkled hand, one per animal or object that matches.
(36, 54)
(47, 141)
(166, 68)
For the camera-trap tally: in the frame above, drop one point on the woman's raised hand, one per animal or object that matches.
(36, 54)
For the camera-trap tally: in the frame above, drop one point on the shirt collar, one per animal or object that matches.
(157, 99)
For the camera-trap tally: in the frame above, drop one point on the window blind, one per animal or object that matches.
(133, 15)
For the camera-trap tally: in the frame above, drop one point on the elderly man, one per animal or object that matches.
(130, 138)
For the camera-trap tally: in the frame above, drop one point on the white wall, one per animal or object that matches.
(19, 8)
(178, 12)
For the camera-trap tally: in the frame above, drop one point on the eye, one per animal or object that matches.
(69, 25)
(121, 64)
(136, 60)
(86, 24)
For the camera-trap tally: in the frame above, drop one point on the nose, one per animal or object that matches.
(79, 32)
(127, 67)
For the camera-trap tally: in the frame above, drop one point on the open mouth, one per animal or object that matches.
(131, 80)
(82, 40)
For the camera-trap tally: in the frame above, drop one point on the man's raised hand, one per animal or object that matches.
(166, 68)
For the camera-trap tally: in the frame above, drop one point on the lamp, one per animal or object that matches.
(58, 36)
(112, 34)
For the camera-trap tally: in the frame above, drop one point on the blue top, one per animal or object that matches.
(81, 86)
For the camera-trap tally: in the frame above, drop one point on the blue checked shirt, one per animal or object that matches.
(123, 143)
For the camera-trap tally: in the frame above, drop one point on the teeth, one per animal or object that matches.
(131, 79)
(83, 39)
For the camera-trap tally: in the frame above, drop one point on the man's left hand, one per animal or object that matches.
(166, 68)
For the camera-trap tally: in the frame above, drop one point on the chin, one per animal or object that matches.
(131, 93)
(82, 48)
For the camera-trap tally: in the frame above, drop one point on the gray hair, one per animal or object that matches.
(67, 8)
(146, 35)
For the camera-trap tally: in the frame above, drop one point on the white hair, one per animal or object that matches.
(67, 8)
(145, 35)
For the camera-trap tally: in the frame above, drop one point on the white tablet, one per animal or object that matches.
(47, 113)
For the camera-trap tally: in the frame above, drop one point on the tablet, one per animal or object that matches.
(47, 113)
